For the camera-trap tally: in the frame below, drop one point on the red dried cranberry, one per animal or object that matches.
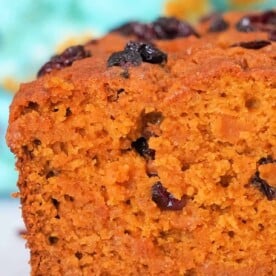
(255, 44)
(162, 28)
(136, 52)
(65, 59)
(218, 24)
(142, 147)
(266, 160)
(165, 200)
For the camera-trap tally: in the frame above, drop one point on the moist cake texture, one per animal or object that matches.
(152, 151)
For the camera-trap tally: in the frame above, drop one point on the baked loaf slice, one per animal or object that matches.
(152, 151)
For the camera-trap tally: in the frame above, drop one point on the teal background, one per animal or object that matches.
(31, 29)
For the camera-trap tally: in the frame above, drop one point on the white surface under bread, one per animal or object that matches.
(14, 257)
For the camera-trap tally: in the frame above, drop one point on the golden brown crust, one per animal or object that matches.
(86, 195)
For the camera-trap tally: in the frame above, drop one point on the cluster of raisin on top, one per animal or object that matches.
(162, 28)
(165, 28)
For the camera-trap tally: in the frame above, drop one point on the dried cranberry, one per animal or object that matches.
(218, 24)
(147, 51)
(165, 200)
(263, 22)
(65, 59)
(142, 147)
(151, 54)
(268, 17)
(170, 28)
(162, 28)
(264, 187)
(255, 44)
(136, 52)
(272, 35)
(266, 160)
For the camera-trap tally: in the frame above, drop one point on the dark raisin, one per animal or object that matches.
(55, 202)
(147, 51)
(151, 54)
(268, 17)
(66, 58)
(33, 105)
(52, 240)
(218, 24)
(260, 183)
(144, 32)
(68, 112)
(255, 44)
(225, 180)
(142, 147)
(37, 142)
(272, 35)
(263, 186)
(165, 200)
(78, 255)
(162, 28)
(266, 160)
(50, 174)
(231, 234)
(170, 28)
(136, 52)
(124, 58)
